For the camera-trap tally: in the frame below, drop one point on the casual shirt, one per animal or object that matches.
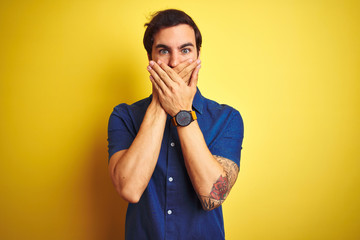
(169, 208)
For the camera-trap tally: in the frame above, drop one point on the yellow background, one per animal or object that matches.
(290, 67)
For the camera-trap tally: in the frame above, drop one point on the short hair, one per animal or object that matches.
(168, 18)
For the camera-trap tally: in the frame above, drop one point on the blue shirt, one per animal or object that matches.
(169, 207)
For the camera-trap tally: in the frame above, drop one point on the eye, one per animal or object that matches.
(163, 51)
(185, 50)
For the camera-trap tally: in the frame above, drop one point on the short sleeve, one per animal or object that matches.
(229, 142)
(120, 130)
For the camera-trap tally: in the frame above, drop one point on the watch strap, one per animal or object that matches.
(173, 120)
(193, 114)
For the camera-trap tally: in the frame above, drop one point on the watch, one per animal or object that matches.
(183, 118)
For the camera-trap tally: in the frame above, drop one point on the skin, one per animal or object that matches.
(173, 72)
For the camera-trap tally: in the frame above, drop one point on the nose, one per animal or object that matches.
(174, 60)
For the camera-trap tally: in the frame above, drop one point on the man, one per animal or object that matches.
(175, 155)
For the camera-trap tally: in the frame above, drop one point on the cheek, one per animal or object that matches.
(192, 56)
(164, 58)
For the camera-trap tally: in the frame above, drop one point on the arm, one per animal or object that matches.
(131, 169)
(212, 176)
(207, 172)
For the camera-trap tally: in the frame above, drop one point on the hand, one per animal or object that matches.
(174, 94)
(186, 68)
(155, 96)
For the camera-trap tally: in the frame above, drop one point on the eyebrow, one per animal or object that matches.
(162, 46)
(187, 45)
(182, 46)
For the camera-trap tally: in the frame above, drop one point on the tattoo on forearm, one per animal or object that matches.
(207, 203)
(222, 186)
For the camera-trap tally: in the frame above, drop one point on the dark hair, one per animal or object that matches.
(168, 18)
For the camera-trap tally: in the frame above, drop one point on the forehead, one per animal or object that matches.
(175, 36)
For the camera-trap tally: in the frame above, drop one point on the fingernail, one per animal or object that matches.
(148, 68)
(198, 61)
(190, 60)
(199, 66)
(151, 63)
(159, 62)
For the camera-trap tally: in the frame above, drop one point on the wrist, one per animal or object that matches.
(173, 113)
(156, 109)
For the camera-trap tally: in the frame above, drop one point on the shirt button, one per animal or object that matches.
(172, 144)
(171, 179)
(169, 212)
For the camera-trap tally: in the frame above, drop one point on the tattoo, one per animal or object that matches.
(207, 203)
(221, 188)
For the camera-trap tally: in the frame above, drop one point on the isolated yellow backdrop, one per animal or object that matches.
(290, 67)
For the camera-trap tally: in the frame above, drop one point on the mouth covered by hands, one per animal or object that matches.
(175, 87)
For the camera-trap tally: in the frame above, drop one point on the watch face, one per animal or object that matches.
(183, 118)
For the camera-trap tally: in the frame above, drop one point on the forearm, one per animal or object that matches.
(209, 174)
(203, 168)
(134, 168)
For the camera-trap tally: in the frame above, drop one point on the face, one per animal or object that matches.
(174, 45)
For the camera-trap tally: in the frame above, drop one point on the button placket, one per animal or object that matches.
(171, 193)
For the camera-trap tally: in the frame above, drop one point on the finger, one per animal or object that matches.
(186, 73)
(155, 86)
(161, 73)
(187, 77)
(194, 77)
(170, 73)
(154, 77)
(182, 65)
(189, 69)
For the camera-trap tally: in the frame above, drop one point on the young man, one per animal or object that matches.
(175, 155)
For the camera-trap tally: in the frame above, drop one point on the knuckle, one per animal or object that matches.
(162, 75)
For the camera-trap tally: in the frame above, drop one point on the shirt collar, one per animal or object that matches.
(198, 101)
